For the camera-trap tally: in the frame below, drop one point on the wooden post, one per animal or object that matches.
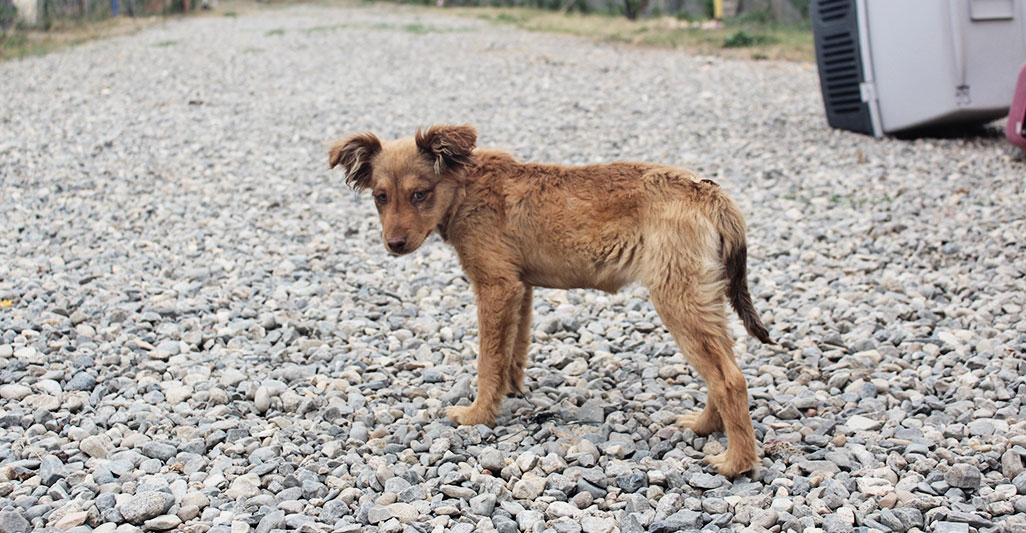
(718, 9)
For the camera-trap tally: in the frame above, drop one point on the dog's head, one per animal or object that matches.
(414, 181)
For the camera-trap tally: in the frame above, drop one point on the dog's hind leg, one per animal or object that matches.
(517, 363)
(692, 308)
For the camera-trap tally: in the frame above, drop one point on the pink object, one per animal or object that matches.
(1016, 128)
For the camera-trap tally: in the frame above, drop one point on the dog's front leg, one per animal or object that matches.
(498, 317)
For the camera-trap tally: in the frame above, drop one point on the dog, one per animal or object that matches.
(517, 225)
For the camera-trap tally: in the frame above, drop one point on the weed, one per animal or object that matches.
(742, 39)
(333, 27)
(278, 31)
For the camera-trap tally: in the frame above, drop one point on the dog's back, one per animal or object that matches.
(604, 226)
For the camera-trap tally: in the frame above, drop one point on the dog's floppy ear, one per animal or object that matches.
(450, 147)
(355, 154)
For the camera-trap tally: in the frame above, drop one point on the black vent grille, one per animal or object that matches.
(830, 10)
(841, 73)
(835, 28)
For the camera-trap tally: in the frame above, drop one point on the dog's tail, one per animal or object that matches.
(734, 252)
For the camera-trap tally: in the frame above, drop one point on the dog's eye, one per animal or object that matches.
(382, 198)
(419, 196)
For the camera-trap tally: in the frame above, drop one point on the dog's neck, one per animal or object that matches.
(443, 224)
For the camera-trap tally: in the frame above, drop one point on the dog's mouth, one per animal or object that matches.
(405, 248)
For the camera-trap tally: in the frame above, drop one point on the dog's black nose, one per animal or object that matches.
(397, 245)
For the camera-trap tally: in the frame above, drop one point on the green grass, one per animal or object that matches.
(272, 33)
(416, 27)
(164, 44)
(333, 27)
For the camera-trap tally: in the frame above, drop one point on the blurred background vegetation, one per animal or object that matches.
(749, 29)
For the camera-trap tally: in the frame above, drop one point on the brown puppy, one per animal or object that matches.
(520, 225)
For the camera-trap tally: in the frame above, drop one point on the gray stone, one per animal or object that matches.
(909, 517)
(333, 511)
(702, 480)
(462, 389)
(981, 428)
(378, 513)
(262, 400)
(963, 476)
(492, 460)
(94, 446)
(1011, 464)
(12, 521)
(275, 520)
(414, 493)
(504, 524)
(527, 519)
(834, 523)
(144, 506)
(949, 527)
(593, 411)
(163, 522)
(1020, 483)
(632, 482)
(159, 450)
(462, 493)
(81, 381)
(631, 524)
(529, 487)
(51, 469)
(482, 505)
(679, 521)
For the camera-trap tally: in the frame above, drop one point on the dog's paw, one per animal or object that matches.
(699, 423)
(731, 467)
(469, 416)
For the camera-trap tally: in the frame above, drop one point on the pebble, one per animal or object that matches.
(144, 506)
(163, 522)
(71, 520)
(94, 447)
(492, 460)
(11, 521)
(963, 476)
(275, 520)
(1011, 464)
(702, 480)
(51, 470)
(595, 524)
(529, 487)
(483, 504)
(14, 391)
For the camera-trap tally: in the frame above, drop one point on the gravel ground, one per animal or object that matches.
(200, 330)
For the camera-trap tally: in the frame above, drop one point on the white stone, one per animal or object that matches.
(529, 487)
(244, 486)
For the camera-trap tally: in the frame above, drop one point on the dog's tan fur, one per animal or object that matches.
(520, 225)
